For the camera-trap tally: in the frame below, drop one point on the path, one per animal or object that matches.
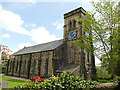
(108, 85)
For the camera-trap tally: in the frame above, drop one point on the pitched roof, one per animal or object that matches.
(40, 47)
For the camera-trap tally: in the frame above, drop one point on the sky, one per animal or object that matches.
(29, 22)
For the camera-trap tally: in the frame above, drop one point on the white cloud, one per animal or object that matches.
(59, 25)
(33, 25)
(34, 1)
(13, 22)
(31, 1)
(30, 25)
(41, 35)
(14, 50)
(6, 35)
(87, 1)
(20, 46)
(38, 35)
(0, 7)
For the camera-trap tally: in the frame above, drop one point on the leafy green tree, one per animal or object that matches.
(101, 27)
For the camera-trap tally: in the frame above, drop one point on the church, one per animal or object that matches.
(55, 57)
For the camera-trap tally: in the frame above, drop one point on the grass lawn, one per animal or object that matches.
(105, 81)
(13, 82)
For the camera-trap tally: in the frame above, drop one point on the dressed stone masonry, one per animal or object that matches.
(57, 56)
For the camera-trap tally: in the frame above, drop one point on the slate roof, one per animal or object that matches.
(40, 47)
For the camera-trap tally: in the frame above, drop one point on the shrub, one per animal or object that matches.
(3, 69)
(64, 81)
(102, 73)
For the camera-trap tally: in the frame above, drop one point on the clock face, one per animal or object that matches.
(72, 34)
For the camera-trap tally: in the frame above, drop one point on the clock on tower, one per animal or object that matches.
(72, 28)
(72, 34)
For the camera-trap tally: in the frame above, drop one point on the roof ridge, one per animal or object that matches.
(40, 47)
(43, 43)
(75, 10)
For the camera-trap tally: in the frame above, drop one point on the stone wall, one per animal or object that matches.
(40, 62)
(24, 65)
(10, 67)
(73, 53)
(59, 58)
(17, 65)
(50, 64)
(76, 71)
(29, 65)
(35, 57)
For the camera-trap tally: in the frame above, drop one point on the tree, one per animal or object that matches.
(101, 29)
(102, 73)
(5, 56)
(5, 52)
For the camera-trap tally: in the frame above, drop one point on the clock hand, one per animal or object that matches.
(73, 33)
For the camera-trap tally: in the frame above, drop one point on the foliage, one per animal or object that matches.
(65, 81)
(106, 81)
(4, 69)
(102, 25)
(104, 76)
(13, 82)
(102, 73)
(5, 56)
(5, 52)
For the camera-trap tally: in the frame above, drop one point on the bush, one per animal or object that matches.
(3, 69)
(64, 81)
(102, 73)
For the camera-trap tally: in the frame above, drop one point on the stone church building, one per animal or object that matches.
(55, 57)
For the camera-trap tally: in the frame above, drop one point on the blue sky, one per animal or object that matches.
(30, 23)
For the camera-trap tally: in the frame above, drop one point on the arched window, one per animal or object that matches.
(34, 65)
(10, 65)
(87, 34)
(80, 25)
(17, 66)
(70, 25)
(74, 24)
(46, 67)
(61, 61)
(39, 66)
(24, 69)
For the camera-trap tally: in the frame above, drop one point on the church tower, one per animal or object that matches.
(72, 29)
(76, 55)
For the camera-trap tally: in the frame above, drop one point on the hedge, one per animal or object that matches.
(66, 81)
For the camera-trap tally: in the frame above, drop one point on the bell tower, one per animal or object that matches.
(72, 29)
(76, 55)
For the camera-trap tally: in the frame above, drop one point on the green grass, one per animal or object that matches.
(13, 82)
(105, 81)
